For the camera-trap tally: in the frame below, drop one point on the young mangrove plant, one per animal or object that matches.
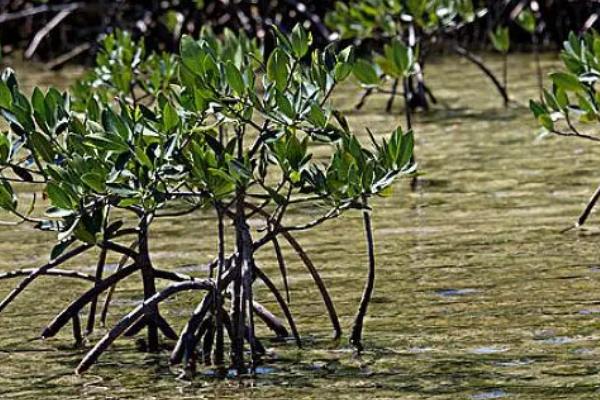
(230, 132)
(528, 17)
(525, 16)
(500, 39)
(417, 25)
(571, 107)
(59, 32)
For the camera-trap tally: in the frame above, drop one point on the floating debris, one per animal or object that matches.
(494, 394)
(456, 292)
(490, 350)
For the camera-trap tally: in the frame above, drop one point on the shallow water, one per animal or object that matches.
(478, 294)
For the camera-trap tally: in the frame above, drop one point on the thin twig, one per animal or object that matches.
(63, 273)
(53, 23)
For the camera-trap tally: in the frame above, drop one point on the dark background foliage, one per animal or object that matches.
(56, 31)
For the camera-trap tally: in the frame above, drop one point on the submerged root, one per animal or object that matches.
(41, 271)
(133, 316)
(76, 306)
(282, 304)
(201, 340)
(61, 273)
(306, 260)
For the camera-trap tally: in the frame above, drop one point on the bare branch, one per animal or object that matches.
(53, 23)
(63, 273)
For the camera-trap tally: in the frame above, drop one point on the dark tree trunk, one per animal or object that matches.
(145, 265)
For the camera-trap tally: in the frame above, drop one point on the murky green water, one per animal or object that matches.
(478, 295)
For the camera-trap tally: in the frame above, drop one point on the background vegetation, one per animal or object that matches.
(57, 31)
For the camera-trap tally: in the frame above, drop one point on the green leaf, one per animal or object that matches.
(129, 202)
(402, 56)
(234, 78)
(42, 146)
(295, 176)
(95, 181)
(416, 7)
(170, 117)
(5, 96)
(316, 116)
(39, 108)
(191, 54)
(406, 149)
(7, 198)
(221, 174)
(82, 233)
(4, 148)
(585, 104)
(536, 108)
(93, 109)
(300, 41)
(114, 123)
(143, 157)
(526, 20)
(562, 100)
(567, 81)
(546, 122)
(277, 69)
(285, 106)
(365, 72)
(386, 191)
(367, 177)
(344, 65)
(59, 197)
(550, 100)
(500, 39)
(278, 198)
(107, 143)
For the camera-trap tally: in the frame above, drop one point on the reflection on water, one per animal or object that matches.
(478, 294)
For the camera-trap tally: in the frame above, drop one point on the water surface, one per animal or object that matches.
(478, 294)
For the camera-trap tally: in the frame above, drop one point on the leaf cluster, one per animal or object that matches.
(573, 96)
(219, 118)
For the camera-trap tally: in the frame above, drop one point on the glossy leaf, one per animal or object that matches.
(300, 41)
(170, 117)
(234, 78)
(5, 96)
(58, 196)
(365, 73)
(566, 81)
(191, 54)
(277, 68)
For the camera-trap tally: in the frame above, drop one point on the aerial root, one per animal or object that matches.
(99, 272)
(337, 329)
(479, 63)
(190, 328)
(77, 330)
(207, 345)
(40, 271)
(282, 268)
(586, 211)
(75, 307)
(133, 316)
(109, 295)
(390, 102)
(282, 304)
(270, 320)
(357, 328)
